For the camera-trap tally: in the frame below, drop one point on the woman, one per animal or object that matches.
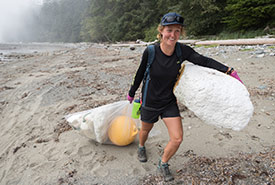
(160, 99)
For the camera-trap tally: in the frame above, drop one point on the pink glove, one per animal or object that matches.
(235, 75)
(129, 98)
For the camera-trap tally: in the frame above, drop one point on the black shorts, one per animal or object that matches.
(151, 115)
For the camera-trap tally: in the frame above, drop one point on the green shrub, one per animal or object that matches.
(250, 14)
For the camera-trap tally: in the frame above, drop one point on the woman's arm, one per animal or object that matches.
(139, 74)
(196, 58)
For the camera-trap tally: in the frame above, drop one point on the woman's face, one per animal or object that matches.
(171, 34)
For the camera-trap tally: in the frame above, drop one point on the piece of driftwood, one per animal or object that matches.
(256, 41)
(259, 41)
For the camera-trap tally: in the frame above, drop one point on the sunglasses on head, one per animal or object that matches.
(170, 19)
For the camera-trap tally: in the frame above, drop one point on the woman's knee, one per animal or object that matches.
(146, 127)
(177, 140)
(145, 130)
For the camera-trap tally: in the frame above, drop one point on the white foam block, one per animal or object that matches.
(216, 98)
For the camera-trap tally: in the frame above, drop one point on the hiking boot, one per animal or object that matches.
(165, 172)
(142, 154)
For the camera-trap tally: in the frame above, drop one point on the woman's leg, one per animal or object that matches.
(174, 126)
(144, 131)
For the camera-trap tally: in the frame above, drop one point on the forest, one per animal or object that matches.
(129, 20)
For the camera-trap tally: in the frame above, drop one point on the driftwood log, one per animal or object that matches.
(256, 41)
(259, 41)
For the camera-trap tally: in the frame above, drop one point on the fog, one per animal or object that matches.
(16, 18)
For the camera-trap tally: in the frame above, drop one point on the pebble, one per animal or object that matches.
(260, 56)
(132, 47)
(249, 47)
(262, 87)
(258, 52)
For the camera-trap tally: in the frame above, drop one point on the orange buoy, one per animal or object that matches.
(122, 131)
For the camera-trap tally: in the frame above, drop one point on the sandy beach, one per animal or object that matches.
(40, 83)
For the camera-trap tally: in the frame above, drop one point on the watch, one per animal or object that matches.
(230, 71)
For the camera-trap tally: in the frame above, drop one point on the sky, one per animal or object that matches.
(14, 14)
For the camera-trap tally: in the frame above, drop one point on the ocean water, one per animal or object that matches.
(8, 51)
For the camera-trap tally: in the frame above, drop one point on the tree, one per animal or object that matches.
(250, 14)
(118, 20)
(202, 17)
(59, 21)
(124, 20)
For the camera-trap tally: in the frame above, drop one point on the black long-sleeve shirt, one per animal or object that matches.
(163, 73)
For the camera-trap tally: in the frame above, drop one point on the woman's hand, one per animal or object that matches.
(235, 75)
(129, 98)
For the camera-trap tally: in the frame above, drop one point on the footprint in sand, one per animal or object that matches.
(147, 168)
(99, 171)
(85, 150)
(134, 171)
(90, 163)
(221, 135)
(52, 154)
